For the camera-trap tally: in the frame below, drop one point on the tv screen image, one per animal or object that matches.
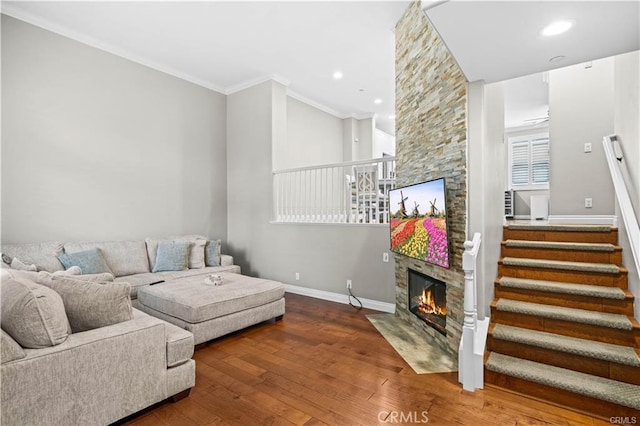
(418, 222)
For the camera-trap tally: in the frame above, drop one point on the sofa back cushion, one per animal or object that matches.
(32, 314)
(43, 255)
(123, 257)
(92, 305)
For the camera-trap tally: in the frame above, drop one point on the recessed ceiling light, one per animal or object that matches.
(392, 117)
(377, 101)
(338, 75)
(556, 28)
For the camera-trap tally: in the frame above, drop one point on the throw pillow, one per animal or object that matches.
(212, 252)
(172, 256)
(10, 350)
(89, 261)
(21, 266)
(33, 314)
(196, 249)
(92, 305)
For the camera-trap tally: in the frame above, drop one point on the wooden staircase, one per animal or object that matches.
(562, 327)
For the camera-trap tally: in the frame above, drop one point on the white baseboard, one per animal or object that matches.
(340, 298)
(585, 219)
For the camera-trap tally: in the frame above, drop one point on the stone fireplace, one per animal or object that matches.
(431, 142)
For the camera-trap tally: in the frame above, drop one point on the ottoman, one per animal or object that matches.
(212, 311)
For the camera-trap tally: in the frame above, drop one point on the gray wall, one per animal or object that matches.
(97, 147)
(325, 256)
(581, 109)
(313, 137)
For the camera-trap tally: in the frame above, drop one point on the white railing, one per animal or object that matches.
(614, 155)
(474, 331)
(352, 192)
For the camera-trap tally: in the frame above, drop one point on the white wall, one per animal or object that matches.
(383, 143)
(581, 105)
(627, 128)
(325, 256)
(97, 147)
(485, 181)
(313, 137)
(627, 118)
(364, 147)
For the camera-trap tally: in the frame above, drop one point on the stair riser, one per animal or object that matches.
(562, 236)
(614, 257)
(596, 367)
(612, 306)
(568, 328)
(595, 407)
(561, 275)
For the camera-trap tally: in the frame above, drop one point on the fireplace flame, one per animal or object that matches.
(427, 304)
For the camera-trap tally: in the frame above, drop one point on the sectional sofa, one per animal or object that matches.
(103, 359)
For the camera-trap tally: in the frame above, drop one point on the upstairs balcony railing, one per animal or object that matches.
(354, 192)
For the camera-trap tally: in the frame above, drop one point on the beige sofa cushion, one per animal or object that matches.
(123, 257)
(43, 255)
(92, 305)
(10, 350)
(32, 314)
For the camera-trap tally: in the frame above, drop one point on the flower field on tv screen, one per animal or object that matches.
(424, 239)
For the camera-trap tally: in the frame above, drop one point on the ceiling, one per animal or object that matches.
(228, 46)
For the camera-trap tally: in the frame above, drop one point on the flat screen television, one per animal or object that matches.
(418, 222)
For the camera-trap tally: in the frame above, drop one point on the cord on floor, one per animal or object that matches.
(351, 296)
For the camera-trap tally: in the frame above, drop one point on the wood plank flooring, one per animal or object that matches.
(325, 364)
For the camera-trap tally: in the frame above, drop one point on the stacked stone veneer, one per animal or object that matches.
(431, 142)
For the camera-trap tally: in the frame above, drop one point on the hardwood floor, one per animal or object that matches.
(324, 363)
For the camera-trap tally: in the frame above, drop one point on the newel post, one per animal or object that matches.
(466, 354)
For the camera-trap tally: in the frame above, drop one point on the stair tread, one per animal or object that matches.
(564, 288)
(602, 319)
(602, 247)
(559, 227)
(606, 268)
(620, 393)
(604, 351)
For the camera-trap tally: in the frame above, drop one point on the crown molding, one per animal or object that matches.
(255, 81)
(17, 13)
(297, 96)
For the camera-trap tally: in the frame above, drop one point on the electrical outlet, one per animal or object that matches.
(297, 276)
(385, 256)
(348, 283)
(588, 202)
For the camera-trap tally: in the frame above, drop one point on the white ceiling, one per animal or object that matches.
(227, 46)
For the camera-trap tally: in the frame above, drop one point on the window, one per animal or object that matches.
(529, 162)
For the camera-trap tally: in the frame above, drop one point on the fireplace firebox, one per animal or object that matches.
(428, 300)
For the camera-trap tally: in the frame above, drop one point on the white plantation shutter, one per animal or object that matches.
(540, 161)
(520, 163)
(529, 161)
